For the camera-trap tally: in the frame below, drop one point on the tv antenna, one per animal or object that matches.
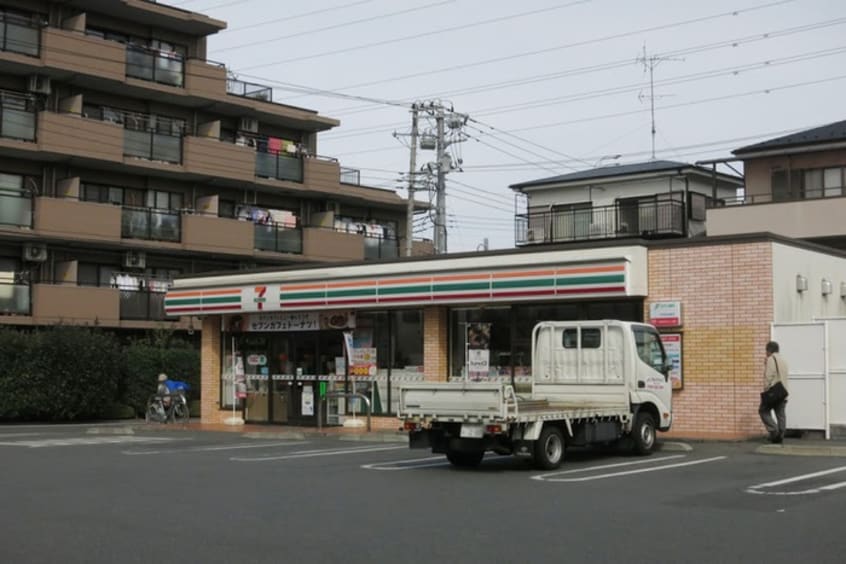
(649, 63)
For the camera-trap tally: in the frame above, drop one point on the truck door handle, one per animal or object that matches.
(641, 384)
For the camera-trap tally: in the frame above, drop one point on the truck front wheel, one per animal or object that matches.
(549, 448)
(643, 433)
(465, 459)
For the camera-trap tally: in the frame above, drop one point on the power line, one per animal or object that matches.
(443, 69)
(330, 27)
(417, 36)
(610, 65)
(291, 17)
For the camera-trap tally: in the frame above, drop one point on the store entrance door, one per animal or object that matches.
(314, 355)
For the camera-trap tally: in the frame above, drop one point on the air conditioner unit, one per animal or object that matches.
(33, 252)
(39, 84)
(248, 124)
(134, 259)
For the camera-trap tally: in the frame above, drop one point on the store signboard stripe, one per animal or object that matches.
(524, 293)
(304, 304)
(183, 301)
(524, 283)
(591, 290)
(459, 277)
(350, 301)
(405, 289)
(222, 300)
(522, 274)
(590, 280)
(345, 293)
(300, 295)
(461, 286)
(397, 281)
(195, 293)
(591, 269)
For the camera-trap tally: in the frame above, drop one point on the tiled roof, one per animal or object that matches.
(612, 171)
(824, 134)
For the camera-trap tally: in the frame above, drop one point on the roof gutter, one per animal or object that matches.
(792, 150)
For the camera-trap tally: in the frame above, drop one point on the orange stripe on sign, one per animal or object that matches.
(291, 287)
(198, 293)
(395, 281)
(454, 277)
(521, 274)
(615, 268)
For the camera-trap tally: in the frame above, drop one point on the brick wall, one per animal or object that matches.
(435, 343)
(210, 372)
(727, 306)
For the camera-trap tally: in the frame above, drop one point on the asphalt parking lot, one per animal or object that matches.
(81, 494)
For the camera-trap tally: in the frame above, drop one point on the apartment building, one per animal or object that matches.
(127, 158)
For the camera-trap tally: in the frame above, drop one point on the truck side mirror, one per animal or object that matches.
(665, 370)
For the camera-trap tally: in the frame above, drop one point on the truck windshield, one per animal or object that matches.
(649, 348)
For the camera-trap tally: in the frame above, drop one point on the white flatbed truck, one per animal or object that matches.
(592, 382)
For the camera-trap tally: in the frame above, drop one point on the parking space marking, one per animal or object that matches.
(313, 453)
(212, 448)
(551, 478)
(410, 464)
(87, 441)
(829, 487)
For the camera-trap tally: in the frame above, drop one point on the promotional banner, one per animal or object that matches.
(672, 346)
(478, 351)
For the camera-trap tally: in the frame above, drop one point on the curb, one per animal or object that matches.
(802, 450)
(674, 446)
(124, 430)
(376, 438)
(290, 435)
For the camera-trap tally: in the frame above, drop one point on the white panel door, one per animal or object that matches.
(803, 347)
(837, 371)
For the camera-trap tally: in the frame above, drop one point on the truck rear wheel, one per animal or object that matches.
(549, 448)
(643, 433)
(465, 459)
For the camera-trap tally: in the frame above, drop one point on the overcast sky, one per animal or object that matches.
(551, 87)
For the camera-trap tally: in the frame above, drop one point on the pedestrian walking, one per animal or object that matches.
(774, 396)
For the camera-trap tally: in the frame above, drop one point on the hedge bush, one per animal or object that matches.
(72, 373)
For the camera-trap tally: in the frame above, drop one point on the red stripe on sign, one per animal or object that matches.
(528, 293)
(605, 290)
(351, 301)
(441, 297)
(285, 304)
(221, 307)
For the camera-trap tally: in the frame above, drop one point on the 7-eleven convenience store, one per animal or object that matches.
(275, 342)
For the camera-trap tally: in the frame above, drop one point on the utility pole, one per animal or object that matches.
(440, 188)
(412, 171)
(649, 63)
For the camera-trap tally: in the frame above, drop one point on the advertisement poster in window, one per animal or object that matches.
(673, 348)
(363, 362)
(478, 351)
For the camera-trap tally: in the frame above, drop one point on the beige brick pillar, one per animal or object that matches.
(210, 371)
(435, 343)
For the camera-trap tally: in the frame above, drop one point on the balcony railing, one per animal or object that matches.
(15, 209)
(249, 90)
(643, 219)
(150, 224)
(142, 305)
(278, 238)
(19, 34)
(380, 247)
(798, 196)
(278, 165)
(154, 138)
(350, 176)
(14, 298)
(17, 115)
(154, 65)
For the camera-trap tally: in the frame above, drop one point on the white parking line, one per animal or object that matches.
(210, 448)
(829, 487)
(86, 441)
(312, 453)
(392, 465)
(547, 478)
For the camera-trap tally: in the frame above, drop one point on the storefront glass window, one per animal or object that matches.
(372, 331)
(499, 343)
(407, 365)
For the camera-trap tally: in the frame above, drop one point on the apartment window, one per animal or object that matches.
(20, 32)
(226, 208)
(17, 115)
(91, 274)
(785, 184)
(111, 195)
(15, 203)
(161, 200)
(149, 59)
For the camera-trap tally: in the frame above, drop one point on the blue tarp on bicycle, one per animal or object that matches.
(174, 386)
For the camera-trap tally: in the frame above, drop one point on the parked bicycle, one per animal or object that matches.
(164, 408)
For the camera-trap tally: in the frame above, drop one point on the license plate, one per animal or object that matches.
(472, 431)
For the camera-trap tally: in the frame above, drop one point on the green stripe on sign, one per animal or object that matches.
(182, 301)
(389, 290)
(302, 295)
(536, 283)
(222, 300)
(348, 293)
(462, 286)
(591, 280)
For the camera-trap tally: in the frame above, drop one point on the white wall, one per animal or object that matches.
(790, 305)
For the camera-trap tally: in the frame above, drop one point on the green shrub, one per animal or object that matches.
(146, 358)
(117, 411)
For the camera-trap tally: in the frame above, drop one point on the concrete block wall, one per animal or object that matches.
(726, 292)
